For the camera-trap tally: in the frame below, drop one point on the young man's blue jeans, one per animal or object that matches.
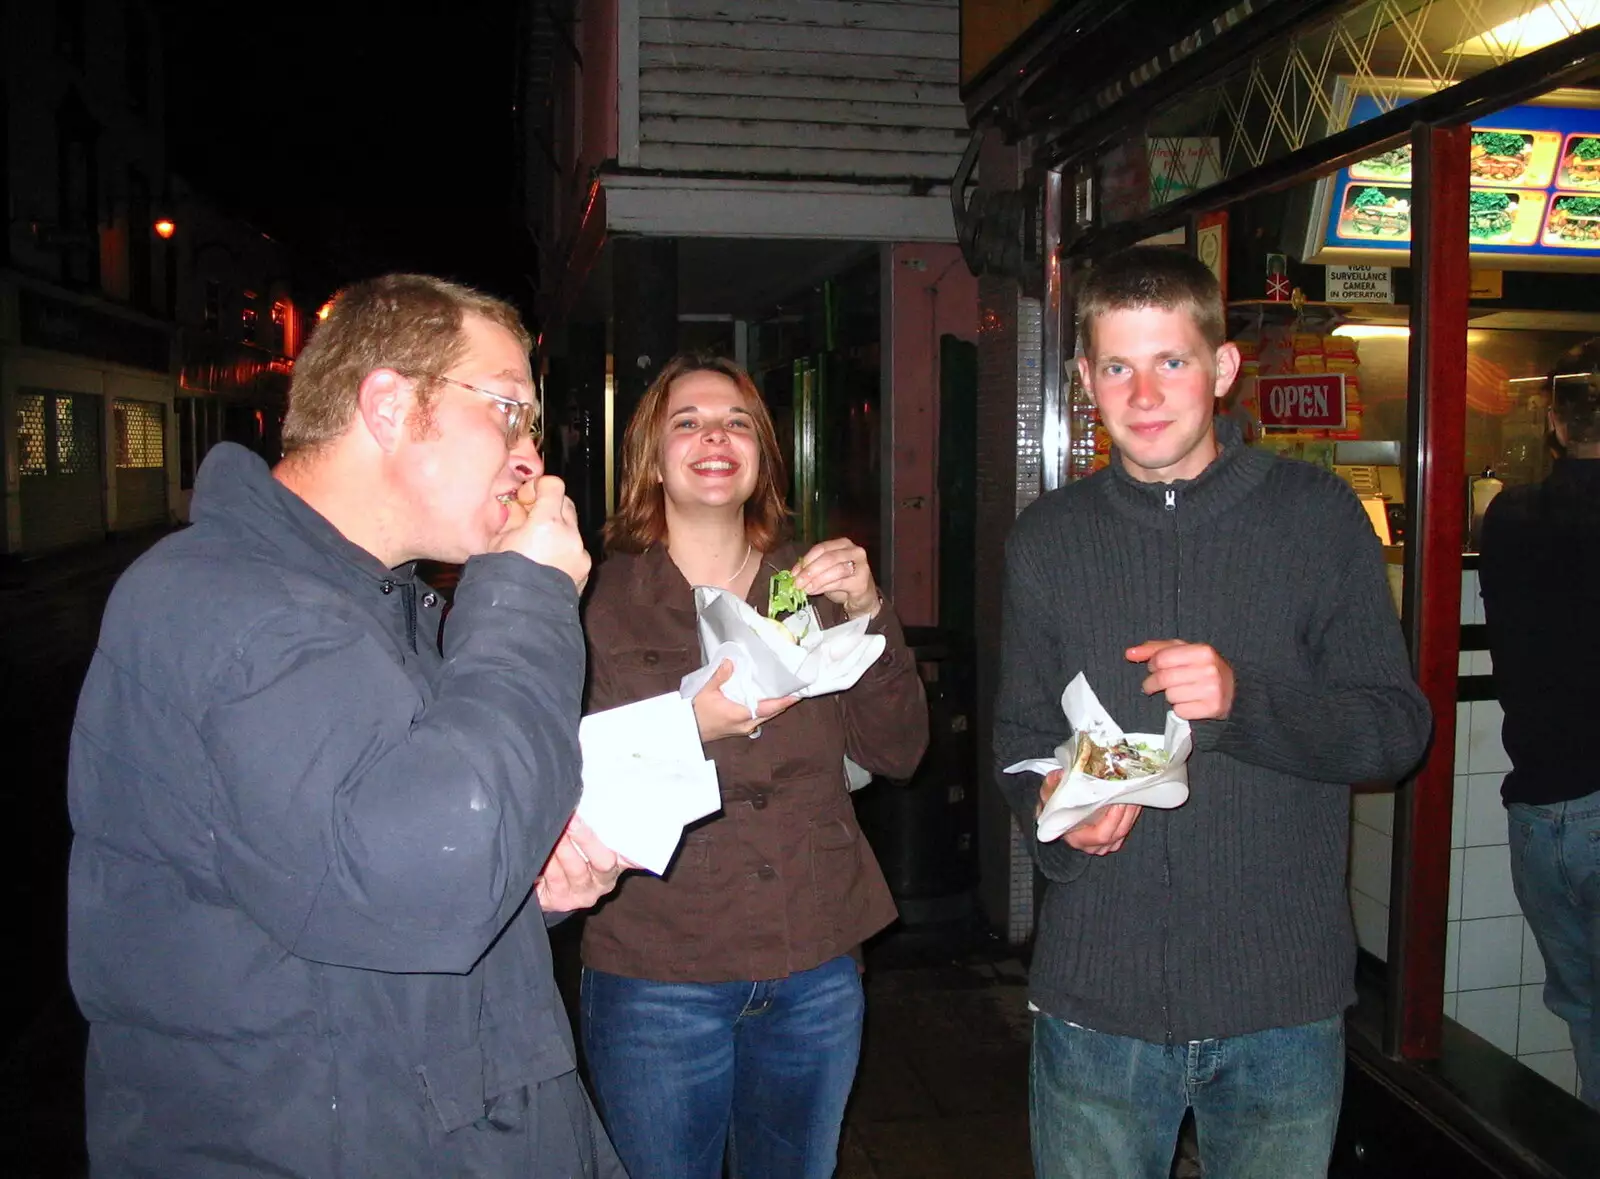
(1109, 1107)
(1555, 868)
(684, 1071)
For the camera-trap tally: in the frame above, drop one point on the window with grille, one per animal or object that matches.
(58, 433)
(32, 447)
(141, 434)
(77, 436)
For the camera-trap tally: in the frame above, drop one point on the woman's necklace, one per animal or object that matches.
(748, 549)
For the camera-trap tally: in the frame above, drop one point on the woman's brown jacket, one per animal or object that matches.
(781, 880)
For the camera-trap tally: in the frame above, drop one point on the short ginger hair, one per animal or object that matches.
(411, 323)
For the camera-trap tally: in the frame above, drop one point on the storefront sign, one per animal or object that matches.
(1360, 284)
(1534, 197)
(1302, 401)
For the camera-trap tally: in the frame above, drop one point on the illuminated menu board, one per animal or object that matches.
(1534, 201)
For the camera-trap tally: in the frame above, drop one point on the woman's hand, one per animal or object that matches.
(720, 717)
(838, 570)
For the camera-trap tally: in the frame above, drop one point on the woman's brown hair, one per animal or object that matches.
(641, 516)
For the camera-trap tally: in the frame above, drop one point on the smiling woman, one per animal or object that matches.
(764, 903)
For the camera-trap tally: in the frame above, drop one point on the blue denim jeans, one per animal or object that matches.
(1109, 1107)
(1555, 868)
(683, 1072)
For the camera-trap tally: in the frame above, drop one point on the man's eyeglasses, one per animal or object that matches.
(522, 417)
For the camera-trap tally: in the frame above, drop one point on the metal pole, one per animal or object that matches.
(1431, 611)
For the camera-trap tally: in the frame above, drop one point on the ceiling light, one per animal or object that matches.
(1373, 331)
(1544, 25)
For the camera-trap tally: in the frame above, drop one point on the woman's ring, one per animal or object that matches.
(852, 568)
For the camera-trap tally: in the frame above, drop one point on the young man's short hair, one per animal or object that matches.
(411, 323)
(1575, 392)
(1153, 276)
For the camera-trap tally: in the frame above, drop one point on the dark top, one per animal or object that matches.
(303, 843)
(1539, 570)
(780, 880)
(1229, 914)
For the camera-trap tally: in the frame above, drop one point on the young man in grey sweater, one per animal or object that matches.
(1199, 957)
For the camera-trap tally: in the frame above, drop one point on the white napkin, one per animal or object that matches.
(645, 778)
(765, 665)
(1079, 795)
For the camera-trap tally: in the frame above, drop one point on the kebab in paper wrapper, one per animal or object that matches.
(788, 653)
(1105, 765)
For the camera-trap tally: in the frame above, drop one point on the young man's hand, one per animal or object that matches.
(1103, 831)
(1198, 682)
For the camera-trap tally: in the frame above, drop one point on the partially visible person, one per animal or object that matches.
(311, 849)
(1198, 958)
(722, 1003)
(1539, 570)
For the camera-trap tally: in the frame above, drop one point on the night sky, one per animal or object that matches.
(366, 140)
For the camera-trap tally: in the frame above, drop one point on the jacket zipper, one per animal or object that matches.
(1171, 505)
(408, 594)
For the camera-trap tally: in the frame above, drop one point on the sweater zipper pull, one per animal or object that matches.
(1172, 500)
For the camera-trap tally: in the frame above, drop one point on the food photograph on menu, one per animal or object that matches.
(1580, 163)
(1574, 222)
(1513, 159)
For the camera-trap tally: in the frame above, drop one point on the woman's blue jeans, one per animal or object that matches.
(1555, 868)
(1265, 1104)
(684, 1072)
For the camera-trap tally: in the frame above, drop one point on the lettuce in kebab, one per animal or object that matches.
(1575, 219)
(1119, 762)
(785, 598)
(1500, 156)
(1490, 214)
(1376, 213)
(1582, 165)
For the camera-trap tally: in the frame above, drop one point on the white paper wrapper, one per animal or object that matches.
(1079, 795)
(645, 778)
(765, 665)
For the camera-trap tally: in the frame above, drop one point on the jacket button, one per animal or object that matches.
(767, 872)
(430, 600)
(386, 586)
(759, 802)
(651, 658)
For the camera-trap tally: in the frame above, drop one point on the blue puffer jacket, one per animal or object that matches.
(299, 917)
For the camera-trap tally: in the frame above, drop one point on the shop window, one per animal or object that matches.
(77, 167)
(280, 327)
(32, 447)
(184, 407)
(213, 306)
(77, 438)
(139, 221)
(141, 434)
(247, 323)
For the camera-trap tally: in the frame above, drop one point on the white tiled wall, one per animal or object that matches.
(1493, 972)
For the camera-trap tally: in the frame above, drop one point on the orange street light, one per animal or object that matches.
(165, 228)
(322, 312)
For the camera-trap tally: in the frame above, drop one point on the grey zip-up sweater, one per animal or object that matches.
(1229, 914)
